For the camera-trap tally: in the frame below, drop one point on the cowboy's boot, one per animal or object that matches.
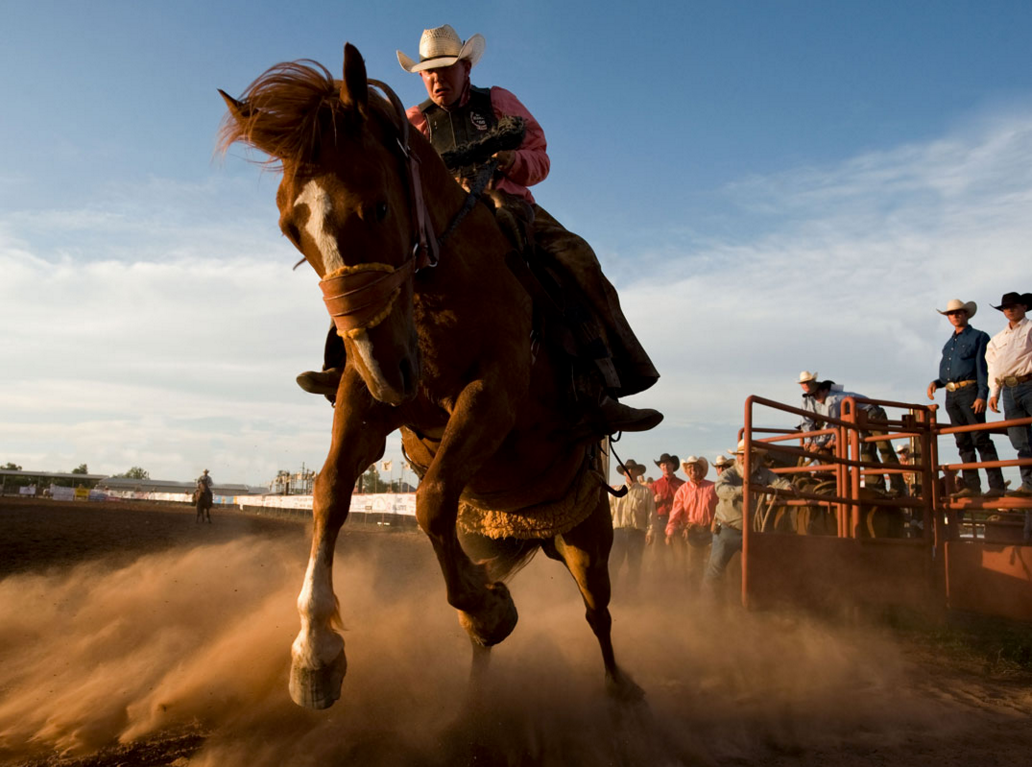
(323, 382)
(602, 413)
(327, 380)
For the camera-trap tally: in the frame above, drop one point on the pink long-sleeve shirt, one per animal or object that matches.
(531, 164)
(693, 505)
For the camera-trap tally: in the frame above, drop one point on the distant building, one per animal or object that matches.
(124, 484)
(298, 483)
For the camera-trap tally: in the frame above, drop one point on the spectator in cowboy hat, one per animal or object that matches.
(810, 384)
(728, 516)
(691, 519)
(965, 376)
(663, 490)
(632, 519)
(720, 463)
(1009, 358)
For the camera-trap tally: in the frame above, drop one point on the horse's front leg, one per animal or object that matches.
(480, 421)
(360, 428)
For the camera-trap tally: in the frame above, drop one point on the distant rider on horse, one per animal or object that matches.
(203, 496)
(610, 362)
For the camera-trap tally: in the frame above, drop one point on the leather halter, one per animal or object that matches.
(359, 297)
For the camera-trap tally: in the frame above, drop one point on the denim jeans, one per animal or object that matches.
(726, 544)
(1017, 403)
(628, 545)
(958, 405)
(869, 451)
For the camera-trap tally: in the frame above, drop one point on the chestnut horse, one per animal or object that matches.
(438, 335)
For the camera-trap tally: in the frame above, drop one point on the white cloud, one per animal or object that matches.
(847, 282)
(163, 326)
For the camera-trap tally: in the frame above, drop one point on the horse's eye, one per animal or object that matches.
(293, 233)
(381, 211)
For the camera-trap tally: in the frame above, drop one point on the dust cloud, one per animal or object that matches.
(197, 641)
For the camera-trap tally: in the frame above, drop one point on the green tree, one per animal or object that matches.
(370, 482)
(15, 481)
(135, 473)
(80, 469)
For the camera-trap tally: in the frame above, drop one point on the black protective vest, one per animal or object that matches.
(453, 128)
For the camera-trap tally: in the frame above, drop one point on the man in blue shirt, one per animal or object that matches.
(965, 376)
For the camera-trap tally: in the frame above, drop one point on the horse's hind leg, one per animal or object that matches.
(585, 552)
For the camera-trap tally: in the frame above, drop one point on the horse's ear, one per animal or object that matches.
(240, 110)
(354, 89)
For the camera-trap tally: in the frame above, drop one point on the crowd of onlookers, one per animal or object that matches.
(695, 524)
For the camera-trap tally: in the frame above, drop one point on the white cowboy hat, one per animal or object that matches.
(955, 303)
(696, 459)
(756, 448)
(721, 460)
(806, 375)
(442, 47)
(904, 448)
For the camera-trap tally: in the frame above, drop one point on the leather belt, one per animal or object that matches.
(1013, 380)
(954, 385)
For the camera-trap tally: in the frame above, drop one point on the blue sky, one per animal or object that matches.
(771, 185)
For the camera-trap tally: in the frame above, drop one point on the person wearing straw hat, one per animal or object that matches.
(457, 113)
(610, 362)
(809, 383)
(1009, 358)
(691, 518)
(720, 463)
(965, 376)
(728, 517)
(632, 523)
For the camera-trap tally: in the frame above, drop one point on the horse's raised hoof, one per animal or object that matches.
(495, 621)
(318, 687)
(622, 688)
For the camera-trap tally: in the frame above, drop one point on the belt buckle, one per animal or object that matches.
(1010, 380)
(950, 386)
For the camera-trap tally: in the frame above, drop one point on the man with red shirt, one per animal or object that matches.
(692, 514)
(663, 490)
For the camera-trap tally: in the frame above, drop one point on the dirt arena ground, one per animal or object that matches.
(130, 635)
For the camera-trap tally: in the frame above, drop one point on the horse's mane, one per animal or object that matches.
(285, 112)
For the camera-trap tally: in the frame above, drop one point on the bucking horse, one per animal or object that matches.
(439, 344)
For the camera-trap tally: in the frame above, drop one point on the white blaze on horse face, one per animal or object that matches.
(364, 347)
(319, 208)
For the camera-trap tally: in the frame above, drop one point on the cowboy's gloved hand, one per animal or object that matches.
(506, 158)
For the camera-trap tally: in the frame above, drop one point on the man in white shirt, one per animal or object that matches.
(1009, 357)
(632, 523)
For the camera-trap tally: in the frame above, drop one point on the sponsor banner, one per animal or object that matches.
(62, 493)
(385, 503)
(369, 503)
(27, 490)
(82, 493)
